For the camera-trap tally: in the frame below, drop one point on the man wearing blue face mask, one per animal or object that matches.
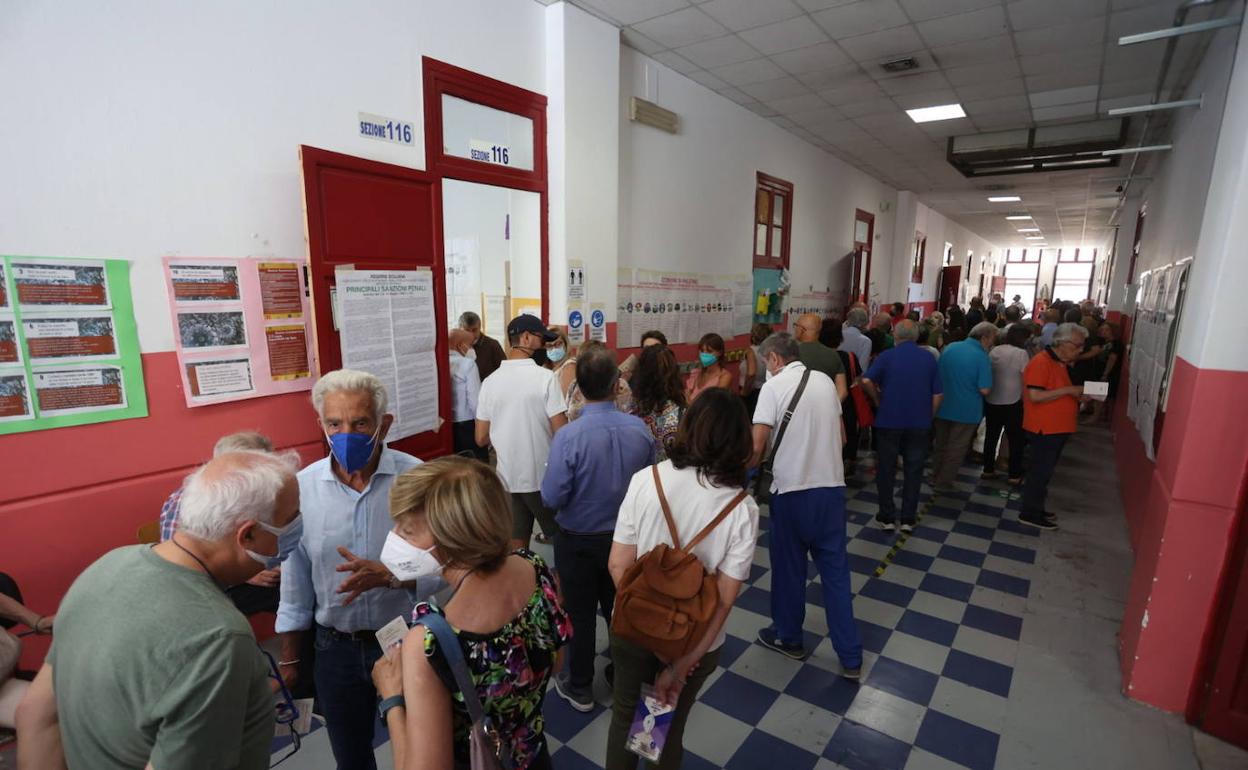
(334, 584)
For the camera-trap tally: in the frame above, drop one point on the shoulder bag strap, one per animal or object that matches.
(667, 511)
(449, 644)
(788, 415)
(715, 521)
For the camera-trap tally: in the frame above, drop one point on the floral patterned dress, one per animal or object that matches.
(511, 668)
(663, 427)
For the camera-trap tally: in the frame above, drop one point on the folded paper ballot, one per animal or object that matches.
(1096, 390)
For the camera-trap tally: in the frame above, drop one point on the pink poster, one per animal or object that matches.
(240, 327)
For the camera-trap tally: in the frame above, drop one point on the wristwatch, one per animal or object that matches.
(394, 701)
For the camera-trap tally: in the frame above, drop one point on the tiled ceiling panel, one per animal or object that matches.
(813, 67)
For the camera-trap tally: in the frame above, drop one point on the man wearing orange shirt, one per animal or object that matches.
(1050, 412)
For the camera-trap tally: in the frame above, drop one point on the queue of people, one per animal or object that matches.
(647, 460)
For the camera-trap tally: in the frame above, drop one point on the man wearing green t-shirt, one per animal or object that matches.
(817, 356)
(152, 665)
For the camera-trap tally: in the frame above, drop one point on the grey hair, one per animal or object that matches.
(350, 379)
(783, 344)
(469, 319)
(243, 440)
(983, 329)
(213, 507)
(856, 317)
(1068, 331)
(906, 331)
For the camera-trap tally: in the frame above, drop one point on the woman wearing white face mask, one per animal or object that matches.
(453, 513)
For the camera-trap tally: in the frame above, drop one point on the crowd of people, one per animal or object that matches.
(614, 462)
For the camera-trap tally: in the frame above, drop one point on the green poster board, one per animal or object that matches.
(69, 346)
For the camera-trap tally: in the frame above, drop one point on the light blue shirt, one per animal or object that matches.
(857, 343)
(965, 370)
(1046, 333)
(335, 515)
(465, 385)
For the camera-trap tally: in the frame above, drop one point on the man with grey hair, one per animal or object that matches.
(966, 377)
(1050, 414)
(345, 499)
(151, 664)
(485, 350)
(807, 507)
(905, 385)
(855, 340)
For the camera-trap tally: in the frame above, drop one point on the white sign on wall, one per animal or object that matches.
(387, 129)
(488, 152)
(576, 280)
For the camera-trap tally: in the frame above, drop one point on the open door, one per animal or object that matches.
(950, 280)
(864, 237)
(374, 216)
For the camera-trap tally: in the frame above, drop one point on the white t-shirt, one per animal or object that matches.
(810, 455)
(729, 548)
(1008, 363)
(518, 400)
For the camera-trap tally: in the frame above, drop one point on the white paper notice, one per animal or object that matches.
(387, 328)
(1096, 390)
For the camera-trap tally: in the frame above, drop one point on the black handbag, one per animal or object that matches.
(762, 483)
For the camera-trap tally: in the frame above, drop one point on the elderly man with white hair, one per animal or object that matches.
(151, 665)
(966, 377)
(1050, 414)
(855, 340)
(334, 584)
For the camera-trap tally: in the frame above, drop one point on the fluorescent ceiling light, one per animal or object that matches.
(1035, 237)
(1029, 229)
(1022, 216)
(1004, 199)
(939, 112)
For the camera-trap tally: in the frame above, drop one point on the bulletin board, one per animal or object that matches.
(69, 346)
(1154, 334)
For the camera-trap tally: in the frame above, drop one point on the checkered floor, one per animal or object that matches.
(940, 625)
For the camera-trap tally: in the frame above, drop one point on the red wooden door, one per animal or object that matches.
(1226, 707)
(375, 216)
(947, 296)
(864, 237)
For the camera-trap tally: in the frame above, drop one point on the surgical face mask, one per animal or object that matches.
(707, 359)
(353, 450)
(287, 540)
(407, 562)
(556, 354)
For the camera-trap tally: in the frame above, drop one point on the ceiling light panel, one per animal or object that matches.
(1004, 199)
(938, 112)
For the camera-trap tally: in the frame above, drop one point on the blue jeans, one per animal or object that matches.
(911, 444)
(812, 521)
(347, 698)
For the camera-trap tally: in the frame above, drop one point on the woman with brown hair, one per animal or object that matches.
(452, 517)
(659, 396)
(710, 372)
(705, 472)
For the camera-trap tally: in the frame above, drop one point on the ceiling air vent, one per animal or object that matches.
(651, 114)
(1070, 146)
(901, 65)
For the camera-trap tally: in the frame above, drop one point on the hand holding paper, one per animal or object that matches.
(1098, 391)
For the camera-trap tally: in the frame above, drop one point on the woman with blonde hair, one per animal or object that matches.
(452, 517)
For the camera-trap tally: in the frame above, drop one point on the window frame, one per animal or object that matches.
(918, 260)
(771, 187)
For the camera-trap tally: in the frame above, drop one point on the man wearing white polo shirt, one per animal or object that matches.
(807, 502)
(518, 411)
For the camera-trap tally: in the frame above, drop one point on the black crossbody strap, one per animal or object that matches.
(788, 415)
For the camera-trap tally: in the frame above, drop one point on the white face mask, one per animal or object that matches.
(407, 562)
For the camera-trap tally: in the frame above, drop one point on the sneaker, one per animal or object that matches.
(581, 701)
(767, 638)
(1045, 524)
(887, 526)
(907, 528)
(852, 674)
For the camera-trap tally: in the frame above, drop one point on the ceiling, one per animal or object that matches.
(813, 67)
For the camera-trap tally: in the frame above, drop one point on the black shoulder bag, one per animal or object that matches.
(762, 484)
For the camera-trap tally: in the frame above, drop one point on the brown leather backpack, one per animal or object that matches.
(667, 599)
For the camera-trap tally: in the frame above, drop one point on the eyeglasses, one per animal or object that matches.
(287, 711)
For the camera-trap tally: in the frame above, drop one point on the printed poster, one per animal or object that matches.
(240, 327)
(69, 348)
(389, 329)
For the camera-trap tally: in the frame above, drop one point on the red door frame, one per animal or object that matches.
(869, 218)
(442, 78)
(322, 261)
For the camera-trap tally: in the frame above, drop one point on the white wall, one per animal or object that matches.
(687, 200)
(583, 81)
(136, 129)
(940, 230)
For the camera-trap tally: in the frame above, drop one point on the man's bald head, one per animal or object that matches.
(806, 329)
(460, 339)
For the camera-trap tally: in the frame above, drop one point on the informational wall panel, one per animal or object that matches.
(240, 327)
(69, 348)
